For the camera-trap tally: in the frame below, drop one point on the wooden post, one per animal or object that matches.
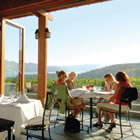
(21, 61)
(22, 69)
(2, 56)
(42, 58)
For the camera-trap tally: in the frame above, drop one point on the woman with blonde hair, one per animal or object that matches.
(110, 82)
(63, 94)
(71, 81)
(73, 85)
(113, 103)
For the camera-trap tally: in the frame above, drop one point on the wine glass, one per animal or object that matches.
(84, 86)
(13, 95)
(25, 91)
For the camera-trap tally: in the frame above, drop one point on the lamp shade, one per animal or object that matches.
(48, 33)
(36, 34)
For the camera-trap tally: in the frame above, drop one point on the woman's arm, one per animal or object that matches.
(114, 86)
(105, 88)
(117, 91)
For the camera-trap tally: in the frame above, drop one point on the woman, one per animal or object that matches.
(71, 81)
(60, 85)
(113, 103)
(72, 85)
(61, 78)
(110, 84)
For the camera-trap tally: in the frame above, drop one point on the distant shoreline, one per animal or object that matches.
(15, 74)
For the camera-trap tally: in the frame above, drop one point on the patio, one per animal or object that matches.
(39, 9)
(95, 134)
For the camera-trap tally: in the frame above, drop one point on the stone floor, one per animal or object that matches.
(95, 134)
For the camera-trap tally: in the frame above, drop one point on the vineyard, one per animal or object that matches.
(135, 81)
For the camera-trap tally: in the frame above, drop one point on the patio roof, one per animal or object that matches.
(10, 9)
(20, 8)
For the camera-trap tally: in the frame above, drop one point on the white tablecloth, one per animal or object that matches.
(90, 93)
(20, 113)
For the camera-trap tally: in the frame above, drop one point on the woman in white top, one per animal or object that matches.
(110, 84)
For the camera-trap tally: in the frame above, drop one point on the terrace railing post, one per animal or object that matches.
(2, 56)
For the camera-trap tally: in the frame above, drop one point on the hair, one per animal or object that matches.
(73, 73)
(59, 73)
(110, 77)
(122, 77)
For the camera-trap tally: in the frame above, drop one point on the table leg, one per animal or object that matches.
(91, 113)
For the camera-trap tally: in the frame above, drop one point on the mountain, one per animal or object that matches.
(132, 69)
(75, 68)
(89, 71)
(11, 66)
(30, 68)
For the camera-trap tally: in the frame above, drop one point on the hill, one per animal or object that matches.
(11, 68)
(132, 69)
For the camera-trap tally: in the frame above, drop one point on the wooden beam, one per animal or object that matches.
(50, 17)
(20, 15)
(48, 5)
(43, 13)
(74, 4)
(42, 58)
(13, 23)
(31, 7)
(2, 56)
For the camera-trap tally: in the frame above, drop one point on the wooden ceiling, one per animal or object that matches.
(20, 8)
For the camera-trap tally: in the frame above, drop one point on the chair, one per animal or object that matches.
(59, 98)
(57, 105)
(6, 125)
(62, 91)
(129, 95)
(39, 123)
(67, 113)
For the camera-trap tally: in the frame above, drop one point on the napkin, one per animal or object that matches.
(23, 99)
(77, 92)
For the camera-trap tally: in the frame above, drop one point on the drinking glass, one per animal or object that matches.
(95, 88)
(84, 86)
(25, 91)
(99, 88)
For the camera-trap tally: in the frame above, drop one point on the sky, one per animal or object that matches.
(103, 33)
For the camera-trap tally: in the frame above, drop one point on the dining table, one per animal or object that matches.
(90, 94)
(20, 113)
